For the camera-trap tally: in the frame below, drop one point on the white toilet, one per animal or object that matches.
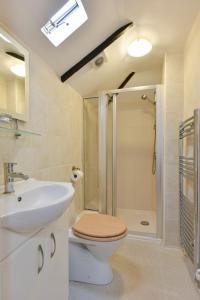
(92, 240)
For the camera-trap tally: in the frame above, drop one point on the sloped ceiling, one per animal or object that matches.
(165, 23)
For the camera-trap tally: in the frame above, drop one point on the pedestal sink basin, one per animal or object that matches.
(34, 204)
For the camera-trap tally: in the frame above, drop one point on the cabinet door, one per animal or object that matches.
(38, 270)
(57, 268)
(24, 272)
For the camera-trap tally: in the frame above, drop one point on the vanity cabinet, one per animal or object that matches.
(38, 269)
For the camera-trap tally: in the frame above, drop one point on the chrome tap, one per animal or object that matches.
(10, 175)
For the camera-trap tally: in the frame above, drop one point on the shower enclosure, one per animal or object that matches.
(122, 131)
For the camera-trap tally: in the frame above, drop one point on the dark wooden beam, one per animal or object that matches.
(15, 55)
(126, 80)
(113, 37)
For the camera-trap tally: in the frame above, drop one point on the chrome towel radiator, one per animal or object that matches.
(189, 189)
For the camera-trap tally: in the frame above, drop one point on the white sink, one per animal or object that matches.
(34, 204)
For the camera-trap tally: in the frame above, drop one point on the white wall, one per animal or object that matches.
(173, 107)
(56, 112)
(182, 95)
(192, 70)
(147, 77)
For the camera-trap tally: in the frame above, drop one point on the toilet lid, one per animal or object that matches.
(99, 226)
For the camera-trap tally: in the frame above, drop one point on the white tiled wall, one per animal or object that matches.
(192, 71)
(136, 185)
(182, 96)
(173, 107)
(55, 112)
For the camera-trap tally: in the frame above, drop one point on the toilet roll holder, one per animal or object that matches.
(75, 168)
(75, 176)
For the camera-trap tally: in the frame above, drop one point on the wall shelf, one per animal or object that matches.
(19, 132)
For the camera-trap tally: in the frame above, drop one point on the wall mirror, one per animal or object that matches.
(14, 78)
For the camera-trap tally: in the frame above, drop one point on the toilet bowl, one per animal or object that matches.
(92, 240)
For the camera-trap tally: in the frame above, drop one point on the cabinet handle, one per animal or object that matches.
(40, 250)
(54, 242)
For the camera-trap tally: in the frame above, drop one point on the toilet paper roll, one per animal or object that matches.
(76, 175)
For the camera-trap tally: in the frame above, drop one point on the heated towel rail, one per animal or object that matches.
(189, 188)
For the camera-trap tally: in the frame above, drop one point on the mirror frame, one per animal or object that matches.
(25, 116)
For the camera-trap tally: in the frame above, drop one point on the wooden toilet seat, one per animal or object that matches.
(99, 227)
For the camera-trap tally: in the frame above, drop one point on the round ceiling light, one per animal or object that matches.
(18, 70)
(139, 47)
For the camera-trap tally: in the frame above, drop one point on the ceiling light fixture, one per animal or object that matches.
(139, 47)
(5, 38)
(61, 25)
(18, 70)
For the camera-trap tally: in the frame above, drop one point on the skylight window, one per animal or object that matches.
(61, 25)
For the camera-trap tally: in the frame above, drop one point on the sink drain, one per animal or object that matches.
(145, 223)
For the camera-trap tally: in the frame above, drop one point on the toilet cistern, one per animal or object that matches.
(9, 176)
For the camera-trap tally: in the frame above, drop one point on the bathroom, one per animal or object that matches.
(91, 188)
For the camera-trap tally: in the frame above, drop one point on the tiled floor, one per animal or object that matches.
(143, 270)
(133, 219)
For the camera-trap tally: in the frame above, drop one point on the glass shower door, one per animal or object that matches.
(100, 154)
(107, 154)
(91, 145)
(119, 138)
(127, 186)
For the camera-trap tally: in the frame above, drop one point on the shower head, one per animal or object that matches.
(145, 97)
